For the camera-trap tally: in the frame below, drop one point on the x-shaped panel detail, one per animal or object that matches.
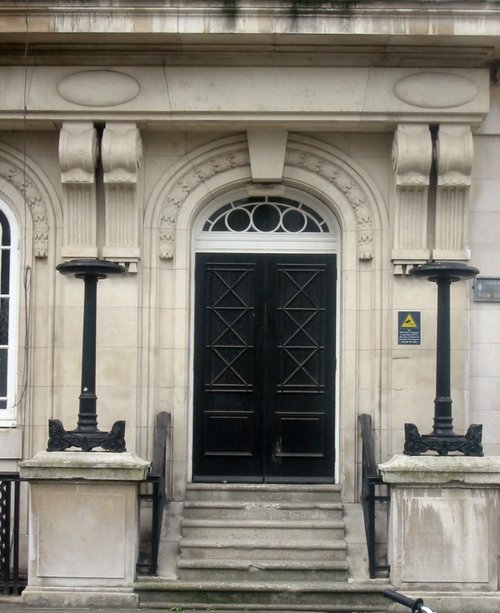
(302, 347)
(227, 324)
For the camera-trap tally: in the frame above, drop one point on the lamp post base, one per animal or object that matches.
(470, 444)
(60, 439)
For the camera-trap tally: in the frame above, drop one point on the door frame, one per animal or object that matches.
(328, 243)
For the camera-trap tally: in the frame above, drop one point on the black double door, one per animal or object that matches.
(264, 368)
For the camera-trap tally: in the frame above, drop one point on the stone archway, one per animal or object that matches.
(315, 168)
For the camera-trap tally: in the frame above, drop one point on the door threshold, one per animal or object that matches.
(270, 486)
(273, 481)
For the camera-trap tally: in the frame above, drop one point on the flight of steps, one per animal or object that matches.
(262, 548)
(262, 534)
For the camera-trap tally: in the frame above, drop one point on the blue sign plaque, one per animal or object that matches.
(409, 328)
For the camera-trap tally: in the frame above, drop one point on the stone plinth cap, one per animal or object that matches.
(429, 470)
(92, 465)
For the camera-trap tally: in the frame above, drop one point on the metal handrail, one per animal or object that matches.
(10, 497)
(157, 482)
(371, 480)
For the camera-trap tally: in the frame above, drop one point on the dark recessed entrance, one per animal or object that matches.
(264, 368)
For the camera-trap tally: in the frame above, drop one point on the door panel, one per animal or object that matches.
(264, 367)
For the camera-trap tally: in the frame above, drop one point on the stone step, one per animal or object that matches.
(273, 534)
(262, 570)
(214, 509)
(249, 529)
(264, 549)
(263, 492)
(228, 596)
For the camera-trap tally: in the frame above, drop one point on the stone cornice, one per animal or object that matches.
(238, 52)
(432, 22)
(293, 8)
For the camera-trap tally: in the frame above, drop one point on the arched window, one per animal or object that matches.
(8, 315)
(292, 222)
(265, 215)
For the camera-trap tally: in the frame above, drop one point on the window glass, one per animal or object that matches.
(8, 320)
(266, 215)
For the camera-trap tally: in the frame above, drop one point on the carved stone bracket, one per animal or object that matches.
(412, 159)
(121, 159)
(13, 172)
(77, 159)
(454, 165)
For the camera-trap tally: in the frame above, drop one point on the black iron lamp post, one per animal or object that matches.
(86, 436)
(443, 439)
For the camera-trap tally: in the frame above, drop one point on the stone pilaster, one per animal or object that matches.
(121, 159)
(454, 165)
(412, 159)
(78, 159)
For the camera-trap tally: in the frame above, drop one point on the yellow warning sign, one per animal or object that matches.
(409, 322)
(409, 328)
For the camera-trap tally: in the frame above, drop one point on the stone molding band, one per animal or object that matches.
(314, 162)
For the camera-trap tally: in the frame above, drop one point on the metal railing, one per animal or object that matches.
(156, 494)
(10, 500)
(372, 485)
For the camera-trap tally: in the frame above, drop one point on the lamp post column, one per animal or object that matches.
(86, 435)
(443, 439)
(443, 410)
(87, 416)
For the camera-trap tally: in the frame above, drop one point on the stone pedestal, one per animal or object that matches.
(444, 530)
(83, 528)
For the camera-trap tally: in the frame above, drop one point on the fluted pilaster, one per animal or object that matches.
(412, 159)
(454, 165)
(121, 159)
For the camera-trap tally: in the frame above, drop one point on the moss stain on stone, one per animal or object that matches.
(230, 7)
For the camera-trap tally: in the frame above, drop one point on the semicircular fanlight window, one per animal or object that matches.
(266, 215)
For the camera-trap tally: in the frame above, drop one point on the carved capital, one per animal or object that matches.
(121, 152)
(412, 154)
(455, 154)
(412, 160)
(78, 152)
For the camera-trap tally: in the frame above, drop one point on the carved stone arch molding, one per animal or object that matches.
(344, 184)
(308, 163)
(27, 187)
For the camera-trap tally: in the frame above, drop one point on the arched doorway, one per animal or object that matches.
(264, 360)
(176, 211)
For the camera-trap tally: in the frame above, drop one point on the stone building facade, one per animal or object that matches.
(242, 158)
